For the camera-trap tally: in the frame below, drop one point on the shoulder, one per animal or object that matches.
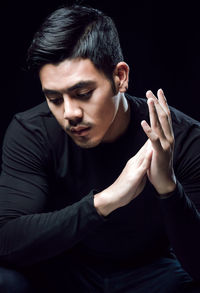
(37, 122)
(186, 149)
(41, 110)
(183, 122)
(26, 124)
(34, 130)
(139, 109)
(33, 119)
(137, 103)
(186, 129)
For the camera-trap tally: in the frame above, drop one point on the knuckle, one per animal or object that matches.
(129, 163)
(167, 147)
(163, 116)
(148, 130)
(168, 113)
(156, 125)
(155, 138)
(171, 141)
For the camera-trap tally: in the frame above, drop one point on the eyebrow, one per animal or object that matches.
(79, 85)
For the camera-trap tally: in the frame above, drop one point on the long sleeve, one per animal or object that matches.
(27, 233)
(182, 209)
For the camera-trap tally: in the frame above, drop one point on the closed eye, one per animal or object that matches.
(57, 101)
(86, 95)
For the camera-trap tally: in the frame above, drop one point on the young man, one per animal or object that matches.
(99, 191)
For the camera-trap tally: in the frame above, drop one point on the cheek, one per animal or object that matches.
(106, 112)
(110, 106)
(56, 111)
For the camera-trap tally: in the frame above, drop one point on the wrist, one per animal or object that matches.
(166, 185)
(103, 204)
(167, 190)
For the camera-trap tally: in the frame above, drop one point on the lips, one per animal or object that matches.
(79, 130)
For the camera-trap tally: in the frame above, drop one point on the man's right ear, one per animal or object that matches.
(121, 77)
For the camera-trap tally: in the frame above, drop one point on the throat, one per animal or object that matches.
(120, 123)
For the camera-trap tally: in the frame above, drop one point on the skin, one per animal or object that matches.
(91, 104)
(161, 172)
(81, 99)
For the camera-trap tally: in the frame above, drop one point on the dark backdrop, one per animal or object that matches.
(160, 40)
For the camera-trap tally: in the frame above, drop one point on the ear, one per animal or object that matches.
(121, 76)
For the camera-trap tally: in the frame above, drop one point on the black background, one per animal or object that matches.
(160, 41)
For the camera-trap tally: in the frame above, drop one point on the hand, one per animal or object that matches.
(132, 180)
(160, 133)
(128, 185)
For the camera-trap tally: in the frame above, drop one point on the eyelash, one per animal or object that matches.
(58, 101)
(86, 95)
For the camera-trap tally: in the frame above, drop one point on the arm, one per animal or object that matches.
(178, 201)
(128, 185)
(27, 233)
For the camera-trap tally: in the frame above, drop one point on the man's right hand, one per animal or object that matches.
(128, 185)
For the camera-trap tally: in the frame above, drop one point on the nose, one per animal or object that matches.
(72, 109)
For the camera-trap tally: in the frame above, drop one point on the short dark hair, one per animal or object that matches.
(76, 32)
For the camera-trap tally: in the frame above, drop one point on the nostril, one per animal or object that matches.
(74, 122)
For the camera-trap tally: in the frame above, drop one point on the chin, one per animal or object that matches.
(87, 143)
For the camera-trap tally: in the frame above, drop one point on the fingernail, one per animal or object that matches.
(149, 92)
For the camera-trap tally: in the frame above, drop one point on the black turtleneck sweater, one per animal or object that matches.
(48, 183)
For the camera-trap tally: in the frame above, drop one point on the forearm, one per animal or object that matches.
(29, 239)
(183, 227)
(106, 202)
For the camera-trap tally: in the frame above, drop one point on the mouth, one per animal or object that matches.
(80, 130)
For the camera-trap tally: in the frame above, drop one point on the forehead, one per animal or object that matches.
(68, 73)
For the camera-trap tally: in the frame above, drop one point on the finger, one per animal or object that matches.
(146, 148)
(139, 157)
(149, 94)
(155, 141)
(162, 115)
(161, 99)
(144, 164)
(163, 102)
(154, 119)
(158, 105)
(148, 157)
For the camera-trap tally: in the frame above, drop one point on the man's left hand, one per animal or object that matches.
(160, 133)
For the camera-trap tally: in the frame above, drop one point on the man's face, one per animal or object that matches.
(82, 100)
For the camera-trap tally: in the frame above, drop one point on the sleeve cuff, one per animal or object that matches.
(90, 197)
(169, 194)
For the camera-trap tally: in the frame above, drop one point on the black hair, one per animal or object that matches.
(76, 32)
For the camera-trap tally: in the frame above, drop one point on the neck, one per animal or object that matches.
(121, 120)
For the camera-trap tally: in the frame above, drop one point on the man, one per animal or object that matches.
(100, 191)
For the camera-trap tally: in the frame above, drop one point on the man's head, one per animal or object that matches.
(76, 32)
(78, 57)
